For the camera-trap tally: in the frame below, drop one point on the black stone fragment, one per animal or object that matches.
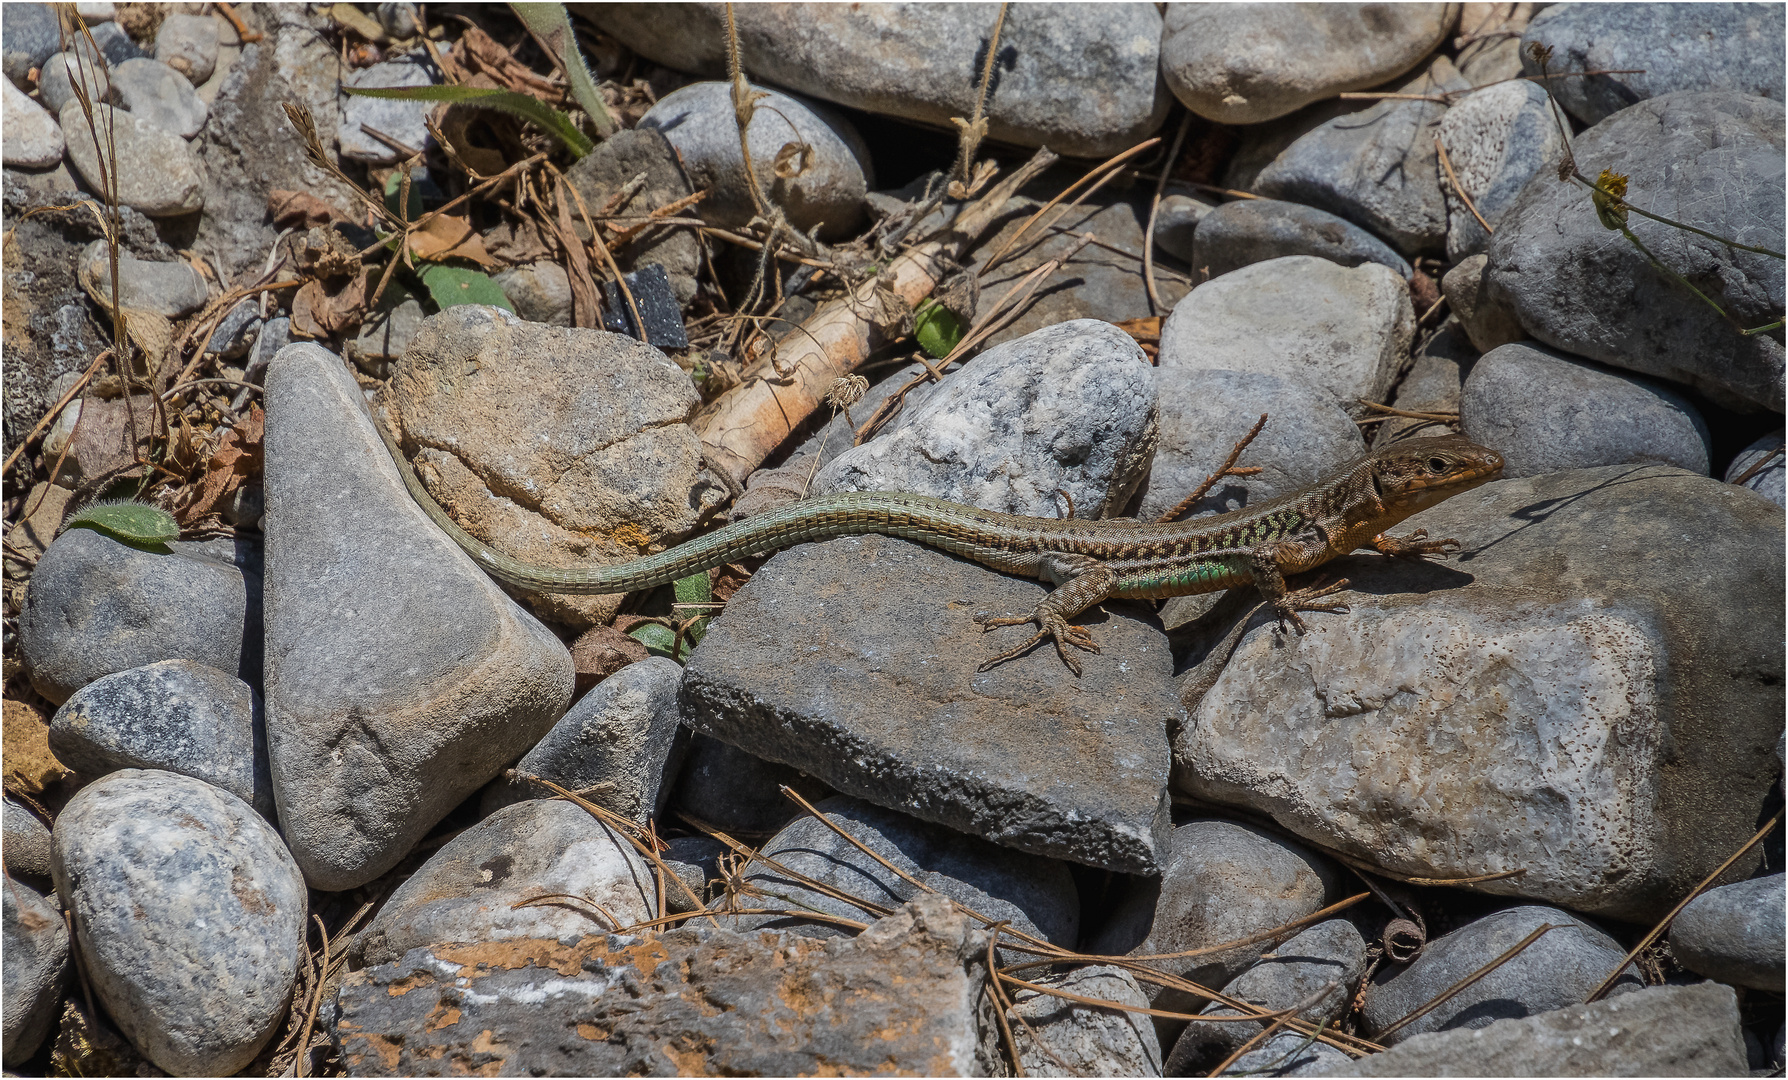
(658, 308)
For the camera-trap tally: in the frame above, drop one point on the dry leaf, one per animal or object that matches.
(299, 210)
(794, 159)
(477, 52)
(319, 313)
(237, 460)
(446, 235)
(351, 17)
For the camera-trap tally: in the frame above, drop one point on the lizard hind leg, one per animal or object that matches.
(1086, 583)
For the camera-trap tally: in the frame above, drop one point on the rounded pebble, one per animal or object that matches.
(158, 174)
(33, 138)
(36, 944)
(158, 93)
(188, 44)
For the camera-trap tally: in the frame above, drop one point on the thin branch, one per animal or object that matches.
(1453, 178)
(1226, 469)
(1148, 234)
(1462, 984)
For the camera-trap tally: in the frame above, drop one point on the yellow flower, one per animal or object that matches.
(1611, 188)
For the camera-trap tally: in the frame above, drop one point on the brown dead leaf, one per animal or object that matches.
(516, 242)
(237, 460)
(299, 210)
(479, 53)
(794, 159)
(447, 236)
(30, 766)
(319, 312)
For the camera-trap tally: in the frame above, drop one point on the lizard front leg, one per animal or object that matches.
(1270, 580)
(1084, 582)
(1414, 546)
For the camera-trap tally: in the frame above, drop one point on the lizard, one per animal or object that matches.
(1086, 560)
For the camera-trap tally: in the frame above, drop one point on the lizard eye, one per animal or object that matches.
(1437, 465)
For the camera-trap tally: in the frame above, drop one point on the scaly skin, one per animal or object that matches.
(1088, 561)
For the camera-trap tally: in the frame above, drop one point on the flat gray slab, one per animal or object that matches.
(854, 661)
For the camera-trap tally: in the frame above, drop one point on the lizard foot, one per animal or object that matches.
(1298, 600)
(1414, 546)
(1052, 626)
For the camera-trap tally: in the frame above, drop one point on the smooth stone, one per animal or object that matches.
(92, 437)
(96, 11)
(904, 997)
(737, 792)
(1733, 933)
(1248, 231)
(606, 465)
(178, 716)
(599, 177)
(405, 121)
(61, 73)
(399, 676)
(33, 138)
(1541, 732)
(114, 44)
(188, 44)
(1497, 140)
(1176, 224)
(1036, 895)
(1344, 330)
(96, 606)
(828, 193)
(237, 331)
(1433, 385)
(541, 292)
(1246, 63)
(869, 689)
(36, 943)
(1487, 318)
(1729, 47)
(1767, 481)
(170, 289)
(1288, 1054)
(155, 92)
(1545, 412)
(1710, 160)
(1324, 963)
(1088, 1040)
(158, 174)
(618, 746)
(397, 19)
(384, 338)
(468, 890)
(27, 843)
(1259, 144)
(189, 914)
(1070, 408)
(694, 860)
(1221, 881)
(1205, 411)
(29, 35)
(1658, 1031)
(1080, 80)
(1377, 168)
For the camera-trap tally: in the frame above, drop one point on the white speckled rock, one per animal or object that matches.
(158, 174)
(1497, 140)
(33, 138)
(189, 915)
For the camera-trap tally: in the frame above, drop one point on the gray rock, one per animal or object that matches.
(1559, 969)
(237, 331)
(737, 792)
(399, 677)
(827, 193)
(1486, 317)
(188, 44)
(871, 687)
(30, 34)
(1068, 408)
(172, 289)
(385, 336)
(1713, 161)
(1037, 896)
(404, 121)
(1288, 1054)
(1245, 63)
(189, 915)
(1204, 411)
(695, 861)
(601, 176)
(1492, 34)
(607, 462)
(1255, 230)
(584, 872)
(1329, 955)
(1497, 140)
(1540, 735)
(158, 174)
(1545, 412)
(33, 138)
(1376, 168)
(1731, 47)
(36, 943)
(1433, 385)
(153, 91)
(178, 716)
(1767, 481)
(1081, 81)
(1176, 224)
(94, 436)
(1344, 330)
(541, 292)
(63, 72)
(96, 606)
(1222, 881)
(27, 843)
(1662, 1031)
(618, 746)
(1259, 144)
(1087, 1039)
(114, 44)
(1733, 933)
(907, 996)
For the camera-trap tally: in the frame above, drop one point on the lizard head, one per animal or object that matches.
(1415, 474)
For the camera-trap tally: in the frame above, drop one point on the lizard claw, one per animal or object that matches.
(1297, 600)
(1051, 626)
(1414, 546)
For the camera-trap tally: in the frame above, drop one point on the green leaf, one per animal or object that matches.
(450, 286)
(549, 119)
(937, 329)
(694, 589)
(393, 187)
(130, 523)
(553, 26)
(657, 639)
